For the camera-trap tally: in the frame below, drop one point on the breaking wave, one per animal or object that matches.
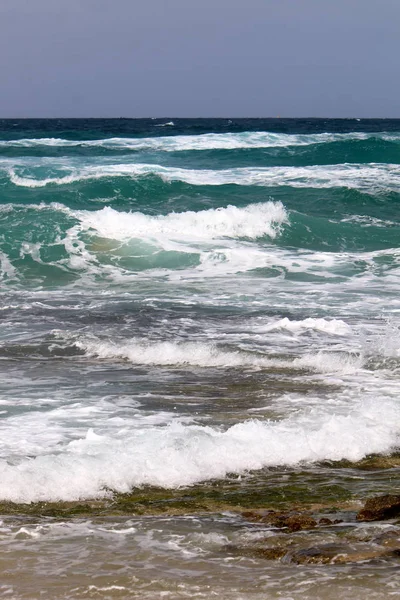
(256, 220)
(200, 354)
(370, 177)
(206, 141)
(181, 455)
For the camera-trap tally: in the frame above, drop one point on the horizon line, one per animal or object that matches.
(275, 118)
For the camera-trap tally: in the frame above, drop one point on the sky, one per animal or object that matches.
(209, 58)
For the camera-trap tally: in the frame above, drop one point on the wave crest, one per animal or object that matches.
(205, 141)
(180, 455)
(370, 177)
(253, 221)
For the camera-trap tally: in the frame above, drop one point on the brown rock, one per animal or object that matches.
(271, 517)
(293, 521)
(379, 462)
(251, 515)
(274, 553)
(300, 522)
(320, 555)
(325, 521)
(269, 553)
(276, 519)
(379, 508)
(337, 554)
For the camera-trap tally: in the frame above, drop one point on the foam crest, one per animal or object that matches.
(253, 221)
(331, 362)
(174, 354)
(7, 270)
(206, 141)
(30, 182)
(201, 354)
(331, 327)
(178, 454)
(225, 261)
(370, 177)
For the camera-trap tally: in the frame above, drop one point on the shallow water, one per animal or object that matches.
(177, 558)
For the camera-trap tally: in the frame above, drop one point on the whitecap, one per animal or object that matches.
(205, 141)
(370, 177)
(179, 455)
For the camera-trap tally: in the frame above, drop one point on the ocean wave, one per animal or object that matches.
(205, 141)
(372, 177)
(117, 246)
(196, 354)
(253, 221)
(179, 455)
(331, 326)
(168, 124)
(201, 354)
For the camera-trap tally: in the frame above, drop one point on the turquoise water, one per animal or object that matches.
(183, 301)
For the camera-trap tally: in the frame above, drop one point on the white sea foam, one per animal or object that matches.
(223, 240)
(331, 327)
(168, 124)
(225, 261)
(171, 353)
(253, 221)
(7, 270)
(331, 362)
(368, 177)
(180, 454)
(206, 141)
(201, 354)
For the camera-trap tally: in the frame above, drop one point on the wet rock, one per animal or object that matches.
(320, 555)
(325, 521)
(267, 553)
(379, 508)
(379, 462)
(389, 539)
(291, 521)
(273, 553)
(300, 522)
(251, 515)
(337, 554)
(276, 519)
(271, 517)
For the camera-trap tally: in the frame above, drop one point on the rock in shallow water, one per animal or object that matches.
(380, 508)
(291, 521)
(389, 539)
(337, 554)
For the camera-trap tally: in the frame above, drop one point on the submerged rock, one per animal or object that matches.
(380, 508)
(389, 539)
(337, 554)
(300, 522)
(269, 553)
(291, 521)
(324, 554)
(293, 549)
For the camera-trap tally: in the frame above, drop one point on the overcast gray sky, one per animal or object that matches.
(139, 58)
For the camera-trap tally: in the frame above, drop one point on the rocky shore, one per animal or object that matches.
(324, 537)
(346, 531)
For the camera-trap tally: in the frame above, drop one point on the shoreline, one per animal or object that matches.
(272, 489)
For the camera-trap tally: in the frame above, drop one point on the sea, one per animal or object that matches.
(199, 320)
